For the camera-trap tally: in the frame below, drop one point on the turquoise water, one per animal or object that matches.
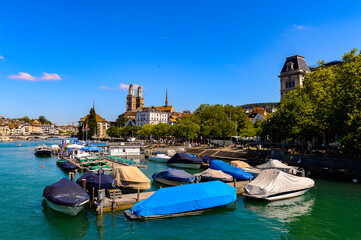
(332, 210)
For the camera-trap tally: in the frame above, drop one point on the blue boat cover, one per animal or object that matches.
(208, 159)
(65, 192)
(237, 173)
(184, 158)
(186, 198)
(92, 181)
(174, 175)
(91, 148)
(67, 165)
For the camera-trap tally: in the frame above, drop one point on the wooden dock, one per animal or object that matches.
(128, 200)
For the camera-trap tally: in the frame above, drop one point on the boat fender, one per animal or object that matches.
(42, 166)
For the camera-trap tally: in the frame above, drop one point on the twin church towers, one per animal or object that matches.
(134, 103)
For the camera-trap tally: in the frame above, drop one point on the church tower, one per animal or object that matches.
(293, 73)
(140, 99)
(131, 100)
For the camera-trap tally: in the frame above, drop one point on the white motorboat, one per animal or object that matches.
(274, 184)
(68, 210)
(161, 158)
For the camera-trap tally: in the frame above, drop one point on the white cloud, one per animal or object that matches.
(126, 86)
(50, 76)
(23, 76)
(2, 58)
(104, 87)
(299, 27)
(27, 76)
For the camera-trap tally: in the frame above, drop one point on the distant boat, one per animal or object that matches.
(274, 184)
(173, 177)
(190, 199)
(42, 150)
(183, 160)
(96, 168)
(66, 197)
(162, 158)
(237, 173)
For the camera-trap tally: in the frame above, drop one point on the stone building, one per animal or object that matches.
(293, 73)
(134, 103)
(103, 125)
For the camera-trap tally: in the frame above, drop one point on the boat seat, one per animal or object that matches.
(115, 193)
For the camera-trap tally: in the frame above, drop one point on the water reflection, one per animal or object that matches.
(283, 210)
(70, 227)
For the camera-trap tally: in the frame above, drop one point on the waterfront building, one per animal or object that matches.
(151, 115)
(103, 125)
(293, 73)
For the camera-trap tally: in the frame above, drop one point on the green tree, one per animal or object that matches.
(146, 131)
(43, 120)
(186, 129)
(92, 123)
(25, 119)
(112, 131)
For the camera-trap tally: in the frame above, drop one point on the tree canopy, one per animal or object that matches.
(327, 106)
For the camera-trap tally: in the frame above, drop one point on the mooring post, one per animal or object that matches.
(93, 195)
(70, 176)
(101, 197)
(250, 179)
(73, 176)
(138, 194)
(234, 182)
(83, 183)
(303, 174)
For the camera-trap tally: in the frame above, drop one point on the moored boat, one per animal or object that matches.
(173, 177)
(43, 151)
(213, 175)
(276, 164)
(246, 167)
(66, 197)
(237, 173)
(96, 180)
(183, 200)
(274, 184)
(66, 165)
(161, 158)
(183, 160)
(130, 178)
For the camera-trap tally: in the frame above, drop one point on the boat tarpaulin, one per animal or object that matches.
(208, 159)
(273, 181)
(184, 158)
(130, 177)
(91, 148)
(237, 173)
(186, 198)
(240, 164)
(67, 165)
(65, 192)
(211, 174)
(276, 164)
(92, 181)
(174, 175)
(171, 152)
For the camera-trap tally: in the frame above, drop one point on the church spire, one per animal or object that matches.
(166, 97)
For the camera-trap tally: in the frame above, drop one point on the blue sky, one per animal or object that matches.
(57, 56)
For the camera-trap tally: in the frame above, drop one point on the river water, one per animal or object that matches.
(331, 210)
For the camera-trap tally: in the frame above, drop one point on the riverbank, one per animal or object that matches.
(328, 211)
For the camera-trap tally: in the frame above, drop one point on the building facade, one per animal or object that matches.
(151, 115)
(293, 74)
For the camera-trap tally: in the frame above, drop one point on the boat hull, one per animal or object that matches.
(158, 159)
(43, 153)
(170, 182)
(185, 165)
(131, 216)
(281, 196)
(68, 210)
